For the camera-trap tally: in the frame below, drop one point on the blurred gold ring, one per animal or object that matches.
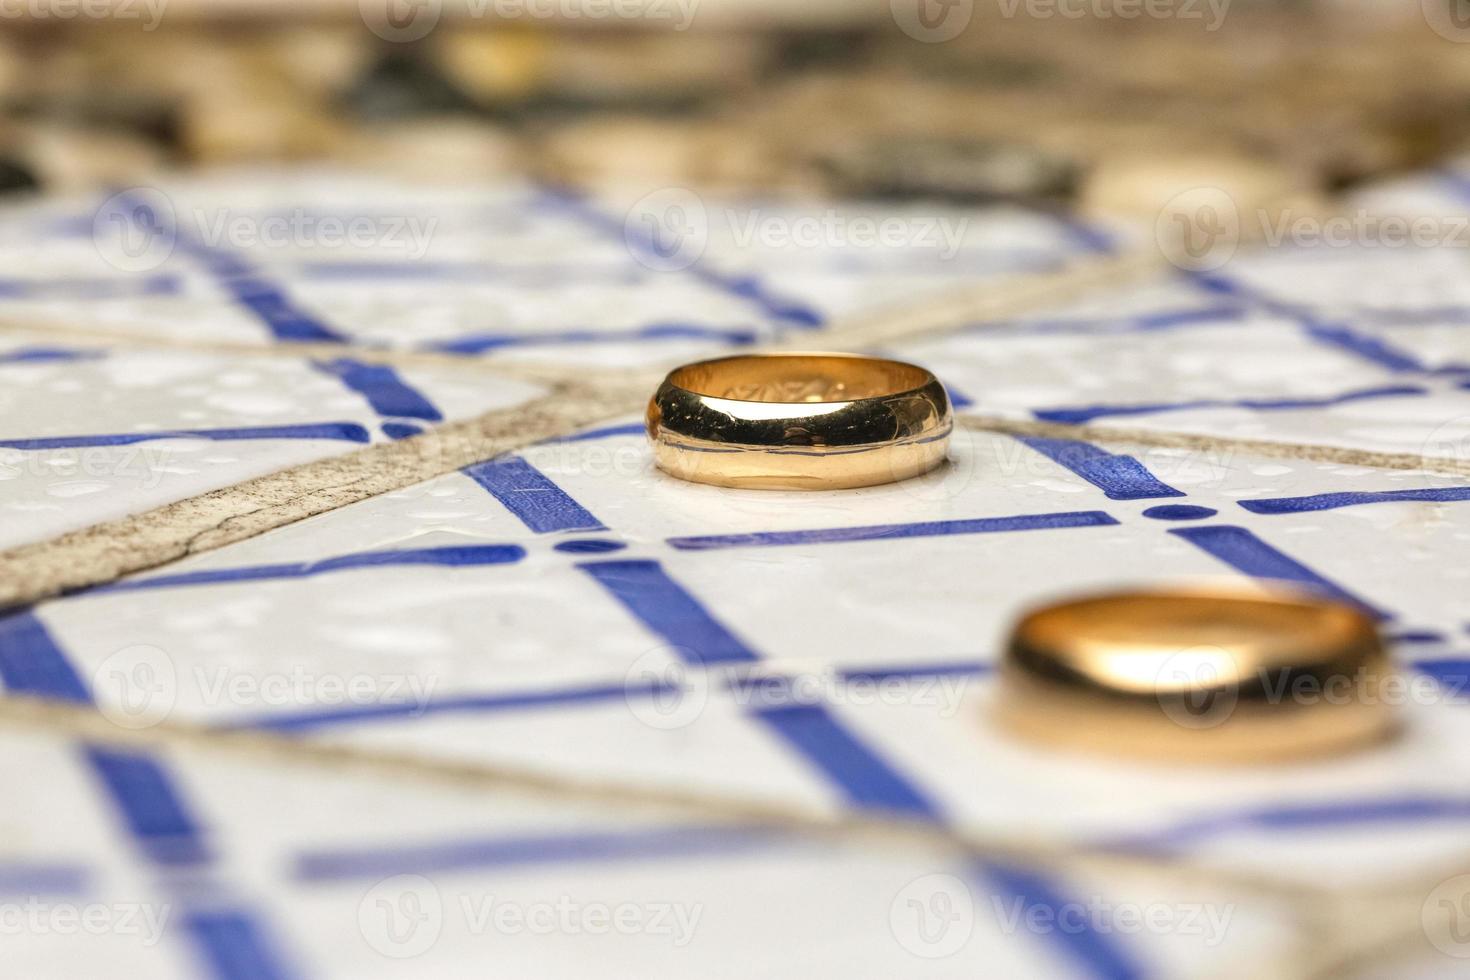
(1198, 676)
(799, 421)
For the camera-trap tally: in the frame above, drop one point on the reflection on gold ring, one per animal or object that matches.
(799, 421)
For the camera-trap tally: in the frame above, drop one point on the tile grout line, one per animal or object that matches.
(32, 714)
(1312, 452)
(104, 552)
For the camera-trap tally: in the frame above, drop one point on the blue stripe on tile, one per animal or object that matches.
(31, 661)
(1451, 673)
(1087, 413)
(1142, 323)
(1339, 335)
(1349, 814)
(658, 332)
(310, 720)
(883, 532)
(667, 609)
(89, 289)
(531, 496)
(46, 355)
(745, 287)
(267, 301)
(156, 815)
(605, 432)
(234, 946)
(1332, 501)
(952, 668)
(1091, 951)
(343, 431)
(25, 878)
(1118, 477)
(384, 389)
(450, 556)
(863, 778)
(1246, 553)
(515, 852)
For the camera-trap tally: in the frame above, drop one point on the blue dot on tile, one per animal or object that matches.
(1417, 636)
(590, 546)
(1179, 512)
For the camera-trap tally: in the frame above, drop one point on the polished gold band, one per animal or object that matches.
(799, 421)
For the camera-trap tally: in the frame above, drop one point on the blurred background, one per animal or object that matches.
(1087, 104)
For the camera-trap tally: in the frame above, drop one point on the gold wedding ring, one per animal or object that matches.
(1198, 677)
(799, 421)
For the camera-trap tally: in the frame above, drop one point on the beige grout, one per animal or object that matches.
(1200, 441)
(44, 716)
(104, 552)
